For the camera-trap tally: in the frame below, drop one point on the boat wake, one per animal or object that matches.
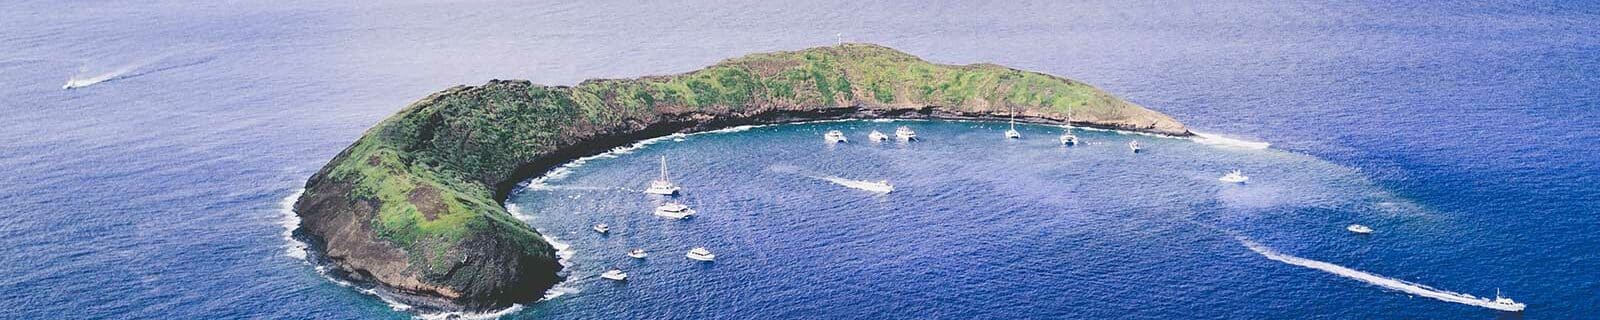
(1390, 283)
(1221, 141)
(879, 187)
(85, 77)
(873, 186)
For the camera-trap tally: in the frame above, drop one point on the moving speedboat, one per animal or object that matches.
(1359, 229)
(662, 185)
(876, 136)
(674, 210)
(881, 186)
(835, 136)
(602, 228)
(905, 134)
(1013, 134)
(1506, 304)
(1234, 177)
(637, 253)
(1134, 145)
(615, 274)
(700, 253)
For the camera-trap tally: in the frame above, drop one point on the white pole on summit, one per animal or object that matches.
(841, 38)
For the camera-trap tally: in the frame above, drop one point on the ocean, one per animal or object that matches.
(1463, 133)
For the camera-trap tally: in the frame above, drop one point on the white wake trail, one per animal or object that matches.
(1393, 284)
(1222, 141)
(879, 187)
(83, 80)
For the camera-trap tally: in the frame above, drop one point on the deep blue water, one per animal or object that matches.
(1463, 132)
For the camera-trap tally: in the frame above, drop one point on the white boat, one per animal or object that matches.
(674, 210)
(662, 185)
(637, 253)
(1234, 177)
(876, 136)
(1134, 145)
(602, 228)
(1013, 134)
(905, 134)
(615, 274)
(882, 186)
(835, 136)
(1067, 139)
(1506, 304)
(1359, 229)
(700, 253)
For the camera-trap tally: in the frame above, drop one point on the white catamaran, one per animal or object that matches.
(662, 185)
(835, 136)
(674, 210)
(1067, 139)
(1013, 134)
(876, 136)
(905, 134)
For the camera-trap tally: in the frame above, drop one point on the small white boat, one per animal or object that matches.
(876, 136)
(835, 136)
(905, 134)
(882, 186)
(1012, 133)
(662, 185)
(1506, 304)
(1359, 229)
(1134, 145)
(615, 274)
(1067, 139)
(1234, 177)
(602, 228)
(637, 253)
(674, 210)
(701, 254)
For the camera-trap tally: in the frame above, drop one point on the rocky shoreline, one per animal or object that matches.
(416, 206)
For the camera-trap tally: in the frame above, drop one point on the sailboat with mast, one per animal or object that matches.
(662, 185)
(1067, 139)
(1013, 134)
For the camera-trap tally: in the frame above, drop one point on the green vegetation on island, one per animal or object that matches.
(414, 204)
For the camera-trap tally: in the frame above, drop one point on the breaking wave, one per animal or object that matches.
(299, 250)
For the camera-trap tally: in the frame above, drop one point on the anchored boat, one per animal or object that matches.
(1234, 177)
(662, 185)
(835, 136)
(905, 134)
(876, 136)
(674, 210)
(701, 254)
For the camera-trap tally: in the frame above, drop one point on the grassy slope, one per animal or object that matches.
(465, 140)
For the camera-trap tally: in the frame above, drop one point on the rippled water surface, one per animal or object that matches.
(1462, 132)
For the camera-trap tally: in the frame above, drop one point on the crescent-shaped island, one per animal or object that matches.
(415, 206)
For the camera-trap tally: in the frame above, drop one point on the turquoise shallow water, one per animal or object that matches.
(978, 225)
(1463, 132)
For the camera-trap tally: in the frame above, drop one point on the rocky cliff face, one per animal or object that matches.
(415, 205)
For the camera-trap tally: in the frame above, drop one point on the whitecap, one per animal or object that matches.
(294, 248)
